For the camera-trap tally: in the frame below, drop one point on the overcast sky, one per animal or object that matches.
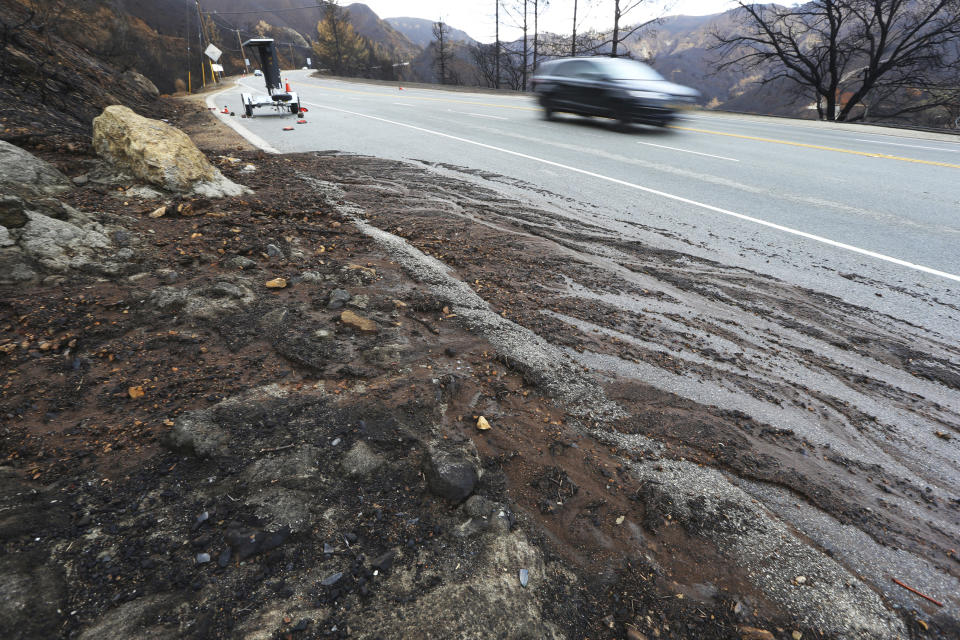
(476, 16)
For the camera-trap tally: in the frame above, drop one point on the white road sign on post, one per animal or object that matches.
(213, 53)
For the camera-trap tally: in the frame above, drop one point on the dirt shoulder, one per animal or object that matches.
(265, 425)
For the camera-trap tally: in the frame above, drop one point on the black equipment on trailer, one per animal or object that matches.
(277, 96)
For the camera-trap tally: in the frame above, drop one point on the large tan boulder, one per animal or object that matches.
(157, 153)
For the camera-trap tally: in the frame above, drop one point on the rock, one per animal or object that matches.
(159, 212)
(158, 154)
(241, 262)
(167, 276)
(360, 302)
(332, 579)
(245, 543)
(449, 476)
(482, 424)
(5, 239)
(13, 214)
(366, 325)
(338, 298)
(13, 267)
(387, 354)
(752, 633)
(140, 618)
(141, 82)
(23, 174)
(524, 577)
(360, 460)
(478, 507)
(274, 251)
(633, 634)
(122, 238)
(203, 558)
(384, 562)
(359, 273)
(277, 283)
(796, 635)
(58, 245)
(196, 433)
(485, 602)
(32, 597)
(311, 277)
(80, 180)
(800, 580)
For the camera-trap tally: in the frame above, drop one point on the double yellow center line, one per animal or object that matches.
(867, 154)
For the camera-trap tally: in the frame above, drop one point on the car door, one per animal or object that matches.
(578, 81)
(560, 91)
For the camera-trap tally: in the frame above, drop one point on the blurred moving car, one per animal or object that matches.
(258, 73)
(620, 88)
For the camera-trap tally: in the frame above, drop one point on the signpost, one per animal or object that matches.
(214, 54)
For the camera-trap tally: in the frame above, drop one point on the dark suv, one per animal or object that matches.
(619, 88)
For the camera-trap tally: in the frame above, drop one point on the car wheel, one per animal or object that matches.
(623, 122)
(295, 109)
(547, 111)
(247, 109)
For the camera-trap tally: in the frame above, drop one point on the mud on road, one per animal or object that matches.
(677, 449)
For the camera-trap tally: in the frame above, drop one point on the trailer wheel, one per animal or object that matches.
(248, 110)
(295, 108)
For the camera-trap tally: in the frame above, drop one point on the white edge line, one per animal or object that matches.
(231, 122)
(912, 146)
(663, 194)
(403, 104)
(709, 155)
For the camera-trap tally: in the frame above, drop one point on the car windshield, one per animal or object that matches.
(623, 69)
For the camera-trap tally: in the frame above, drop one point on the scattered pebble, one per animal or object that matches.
(332, 579)
(277, 283)
(524, 577)
(203, 558)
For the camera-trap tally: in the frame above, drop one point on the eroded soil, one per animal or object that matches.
(191, 453)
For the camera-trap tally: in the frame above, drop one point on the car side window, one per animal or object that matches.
(560, 69)
(578, 69)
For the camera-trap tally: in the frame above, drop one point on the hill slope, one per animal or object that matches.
(420, 31)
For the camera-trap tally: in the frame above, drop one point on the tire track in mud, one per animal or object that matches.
(843, 407)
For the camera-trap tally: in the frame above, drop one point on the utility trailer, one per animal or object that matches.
(278, 98)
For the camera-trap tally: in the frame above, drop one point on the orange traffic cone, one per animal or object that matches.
(286, 86)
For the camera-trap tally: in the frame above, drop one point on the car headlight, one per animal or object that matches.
(648, 95)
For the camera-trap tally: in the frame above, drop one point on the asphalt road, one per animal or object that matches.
(802, 201)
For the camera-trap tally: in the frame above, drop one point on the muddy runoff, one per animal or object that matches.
(830, 428)
(268, 426)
